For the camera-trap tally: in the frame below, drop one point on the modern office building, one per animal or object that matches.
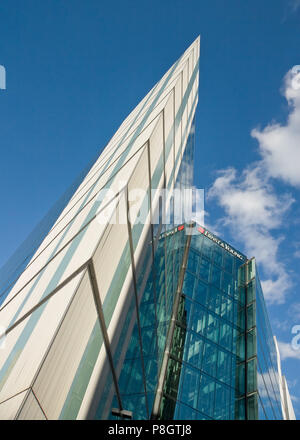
(109, 316)
(208, 330)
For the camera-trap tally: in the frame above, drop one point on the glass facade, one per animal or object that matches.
(208, 382)
(142, 363)
(269, 403)
(221, 361)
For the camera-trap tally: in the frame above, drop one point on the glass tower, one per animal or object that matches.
(106, 311)
(70, 296)
(208, 349)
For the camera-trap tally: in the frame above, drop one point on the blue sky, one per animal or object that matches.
(75, 69)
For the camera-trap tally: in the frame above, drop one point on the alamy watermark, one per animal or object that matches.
(2, 78)
(296, 339)
(169, 207)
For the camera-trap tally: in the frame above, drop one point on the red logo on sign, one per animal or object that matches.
(201, 230)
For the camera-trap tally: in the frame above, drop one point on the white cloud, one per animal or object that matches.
(287, 352)
(275, 291)
(279, 144)
(252, 210)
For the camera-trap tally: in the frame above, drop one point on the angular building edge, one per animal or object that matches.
(285, 398)
(72, 314)
(45, 311)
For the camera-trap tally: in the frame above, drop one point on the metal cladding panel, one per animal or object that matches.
(79, 216)
(75, 253)
(31, 409)
(114, 272)
(27, 343)
(47, 351)
(142, 116)
(112, 258)
(28, 297)
(190, 72)
(184, 90)
(9, 408)
(156, 146)
(290, 413)
(145, 119)
(57, 371)
(169, 136)
(118, 171)
(186, 131)
(285, 398)
(177, 120)
(100, 377)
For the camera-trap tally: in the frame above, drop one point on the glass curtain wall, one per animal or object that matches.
(202, 381)
(140, 370)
